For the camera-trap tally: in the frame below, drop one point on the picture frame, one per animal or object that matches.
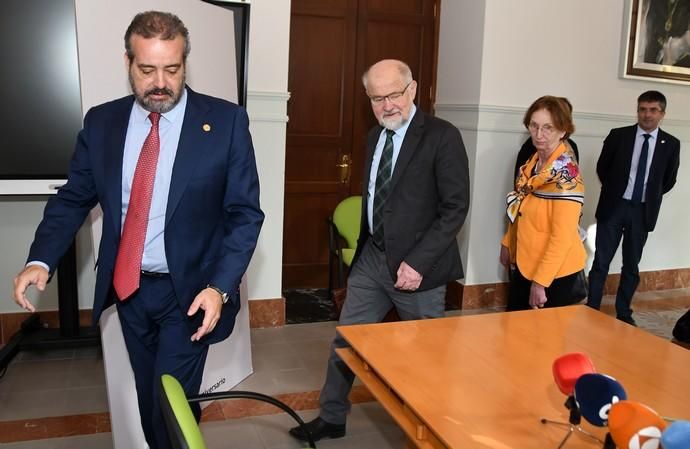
(657, 41)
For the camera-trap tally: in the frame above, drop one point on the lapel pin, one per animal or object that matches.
(206, 127)
(663, 141)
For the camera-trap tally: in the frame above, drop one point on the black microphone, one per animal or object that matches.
(595, 394)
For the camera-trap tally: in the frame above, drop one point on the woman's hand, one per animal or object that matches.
(504, 257)
(537, 295)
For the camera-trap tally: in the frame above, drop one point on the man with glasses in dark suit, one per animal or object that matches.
(416, 190)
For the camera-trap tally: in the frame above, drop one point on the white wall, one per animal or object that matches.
(459, 82)
(267, 83)
(267, 106)
(537, 47)
(570, 48)
(461, 41)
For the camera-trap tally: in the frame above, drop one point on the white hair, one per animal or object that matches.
(404, 69)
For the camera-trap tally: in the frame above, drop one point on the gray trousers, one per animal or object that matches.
(370, 295)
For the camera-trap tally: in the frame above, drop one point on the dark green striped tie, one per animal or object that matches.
(383, 178)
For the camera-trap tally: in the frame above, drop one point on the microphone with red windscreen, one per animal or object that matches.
(676, 435)
(635, 426)
(568, 368)
(595, 394)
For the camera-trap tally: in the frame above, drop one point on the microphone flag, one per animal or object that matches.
(635, 426)
(595, 394)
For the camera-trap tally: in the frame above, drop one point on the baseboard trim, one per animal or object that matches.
(267, 313)
(262, 313)
(483, 296)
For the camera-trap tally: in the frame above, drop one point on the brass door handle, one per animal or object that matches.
(344, 168)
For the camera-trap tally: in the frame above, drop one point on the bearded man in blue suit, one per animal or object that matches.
(200, 220)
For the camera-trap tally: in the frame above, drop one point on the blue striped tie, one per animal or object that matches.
(641, 171)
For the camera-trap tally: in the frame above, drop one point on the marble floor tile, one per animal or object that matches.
(238, 434)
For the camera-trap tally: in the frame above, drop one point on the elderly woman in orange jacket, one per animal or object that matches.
(542, 247)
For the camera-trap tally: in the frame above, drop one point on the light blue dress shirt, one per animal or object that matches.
(169, 129)
(637, 150)
(398, 138)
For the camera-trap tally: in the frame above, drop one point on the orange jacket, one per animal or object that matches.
(548, 243)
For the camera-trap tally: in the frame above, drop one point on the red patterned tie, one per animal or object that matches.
(128, 261)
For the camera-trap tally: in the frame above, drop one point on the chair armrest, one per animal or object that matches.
(255, 396)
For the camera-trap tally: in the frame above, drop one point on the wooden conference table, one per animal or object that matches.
(485, 381)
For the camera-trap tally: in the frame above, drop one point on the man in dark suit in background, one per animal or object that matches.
(416, 190)
(637, 166)
(175, 175)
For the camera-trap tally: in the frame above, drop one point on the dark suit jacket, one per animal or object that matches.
(428, 201)
(613, 169)
(213, 216)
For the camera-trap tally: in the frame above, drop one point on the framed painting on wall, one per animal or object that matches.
(657, 44)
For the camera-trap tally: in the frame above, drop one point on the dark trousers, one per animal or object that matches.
(627, 220)
(370, 295)
(158, 341)
(560, 293)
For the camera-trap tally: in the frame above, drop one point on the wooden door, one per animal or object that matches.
(332, 42)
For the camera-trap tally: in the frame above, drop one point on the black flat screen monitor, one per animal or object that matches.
(40, 101)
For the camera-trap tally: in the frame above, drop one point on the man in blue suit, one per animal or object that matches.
(175, 175)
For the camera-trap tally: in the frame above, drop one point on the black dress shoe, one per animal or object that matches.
(319, 429)
(627, 319)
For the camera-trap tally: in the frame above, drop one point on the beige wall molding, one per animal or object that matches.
(508, 119)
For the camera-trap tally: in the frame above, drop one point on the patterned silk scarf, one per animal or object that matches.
(558, 179)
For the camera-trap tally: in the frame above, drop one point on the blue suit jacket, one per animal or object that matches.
(213, 217)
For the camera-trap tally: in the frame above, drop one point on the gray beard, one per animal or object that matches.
(154, 105)
(394, 125)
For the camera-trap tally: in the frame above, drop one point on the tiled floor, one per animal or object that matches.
(286, 360)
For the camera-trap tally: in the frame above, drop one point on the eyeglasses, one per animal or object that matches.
(547, 129)
(378, 99)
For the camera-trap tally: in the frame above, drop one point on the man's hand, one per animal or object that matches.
(211, 303)
(537, 296)
(408, 278)
(33, 274)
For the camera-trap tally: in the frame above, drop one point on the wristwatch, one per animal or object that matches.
(224, 296)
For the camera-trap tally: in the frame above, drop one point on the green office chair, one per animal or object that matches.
(183, 429)
(344, 225)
